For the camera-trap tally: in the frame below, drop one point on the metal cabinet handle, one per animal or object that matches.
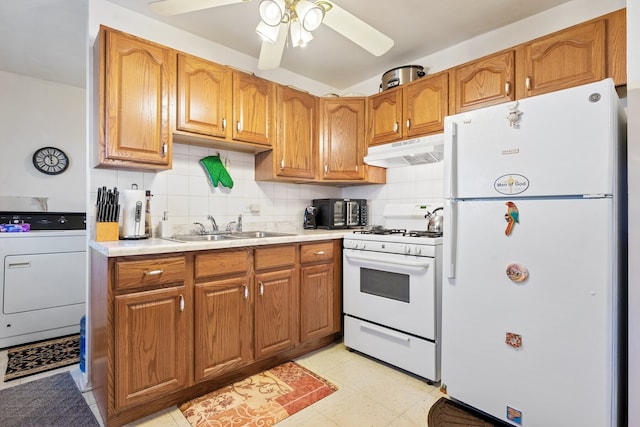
(281, 164)
(165, 149)
(224, 124)
(181, 303)
(261, 289)
(395, 127)
(319, 253)
(153, 272)
(326, 168)
(408, 123)
(238, 127)
(507, 88)
(527, 83)
(245, 292)
(19, 264)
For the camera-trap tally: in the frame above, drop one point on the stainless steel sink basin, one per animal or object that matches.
(202, 237)
(258, 234)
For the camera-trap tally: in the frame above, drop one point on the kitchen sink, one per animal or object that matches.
(258, 234)
(202, 237)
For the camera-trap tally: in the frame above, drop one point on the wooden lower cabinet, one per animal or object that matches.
(171, 327)
(150, 345)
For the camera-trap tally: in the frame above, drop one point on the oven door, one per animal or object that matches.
(393, 290)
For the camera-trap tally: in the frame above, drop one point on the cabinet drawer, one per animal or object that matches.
(278, 256)
(149, 272)
(313, 252)
(221, 263)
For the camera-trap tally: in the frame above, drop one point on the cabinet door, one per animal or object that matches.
(150, 345)
(426, 104)
(316, 301)
(137, 86)
(385, 116)
(223, 324)
(204, 96)
(342, 138)
(276, 312)
(484, 82)
(568, 58)
(297, 130)
(253, 109)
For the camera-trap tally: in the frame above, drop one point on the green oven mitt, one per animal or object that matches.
(217, 172)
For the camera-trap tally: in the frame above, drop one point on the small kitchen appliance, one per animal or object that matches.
(310, 218)
(533, 291)
(391, 291)
(133, 214)
(340, 213)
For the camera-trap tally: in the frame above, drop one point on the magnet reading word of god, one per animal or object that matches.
(512, 217)
(517, 272)
(513, 340)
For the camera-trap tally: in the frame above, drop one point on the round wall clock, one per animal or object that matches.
(50, 160)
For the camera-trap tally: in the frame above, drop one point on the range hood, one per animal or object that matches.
(418, 151)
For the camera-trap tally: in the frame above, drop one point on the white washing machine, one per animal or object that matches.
(42, 276)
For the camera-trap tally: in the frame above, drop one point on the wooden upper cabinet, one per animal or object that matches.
(486, 81)
(385, 116)
(296, 142)
(426, 104)
(564, 59)
(415, 109)
(136, 83)
(204, 97)
(342, 136)
(253, 109)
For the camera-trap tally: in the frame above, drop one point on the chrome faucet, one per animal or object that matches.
(201, 230)
(239, 223)
(214, 226)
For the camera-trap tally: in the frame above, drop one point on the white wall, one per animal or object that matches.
(33, 114)
(633, 110)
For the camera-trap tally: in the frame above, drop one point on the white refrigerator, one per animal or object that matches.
(534, 260)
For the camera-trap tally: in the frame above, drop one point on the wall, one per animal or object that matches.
(633, 110)
(33, 114)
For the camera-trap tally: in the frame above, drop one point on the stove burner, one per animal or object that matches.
(400, 231)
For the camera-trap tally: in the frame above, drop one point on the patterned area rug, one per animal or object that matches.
(51, 401)
(42, 356)
(260, 400)
(447, 413)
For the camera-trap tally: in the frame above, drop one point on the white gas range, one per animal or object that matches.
(392, 291)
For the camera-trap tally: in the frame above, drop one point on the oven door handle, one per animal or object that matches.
(416, 264)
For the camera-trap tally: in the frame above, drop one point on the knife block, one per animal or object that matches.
(106, 231)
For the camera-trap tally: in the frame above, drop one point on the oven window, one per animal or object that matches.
(385, 284)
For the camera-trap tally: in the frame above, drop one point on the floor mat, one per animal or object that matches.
(42, 356)
(447, 413)
(50, 401)
(260, 400)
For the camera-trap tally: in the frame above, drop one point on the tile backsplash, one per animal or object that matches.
(186, 195)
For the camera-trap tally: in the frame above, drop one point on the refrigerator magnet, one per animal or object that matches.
(517, 272)
(512, 217)
(513, 340)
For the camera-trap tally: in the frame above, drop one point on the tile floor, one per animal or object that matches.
(370, 394)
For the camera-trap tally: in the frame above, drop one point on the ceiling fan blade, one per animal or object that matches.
(271, 53)
(176, 7)
(357, 30)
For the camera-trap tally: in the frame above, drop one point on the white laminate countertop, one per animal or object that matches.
(162, 246)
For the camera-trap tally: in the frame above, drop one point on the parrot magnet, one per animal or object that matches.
(511, 217)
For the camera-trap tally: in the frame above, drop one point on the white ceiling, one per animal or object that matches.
(46, 38)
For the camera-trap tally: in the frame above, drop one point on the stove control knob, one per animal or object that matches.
(363, 245)
(407, 249)
(418, 250)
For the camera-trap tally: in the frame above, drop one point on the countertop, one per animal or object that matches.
(162, 246)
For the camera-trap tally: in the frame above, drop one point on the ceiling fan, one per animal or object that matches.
(293, 19)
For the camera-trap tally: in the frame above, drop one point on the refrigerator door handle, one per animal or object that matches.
(450, 173)
(451, 235)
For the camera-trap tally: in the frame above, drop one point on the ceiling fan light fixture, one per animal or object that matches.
(272, 12)
(309, 14)
(267, 32)
(299, 36)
